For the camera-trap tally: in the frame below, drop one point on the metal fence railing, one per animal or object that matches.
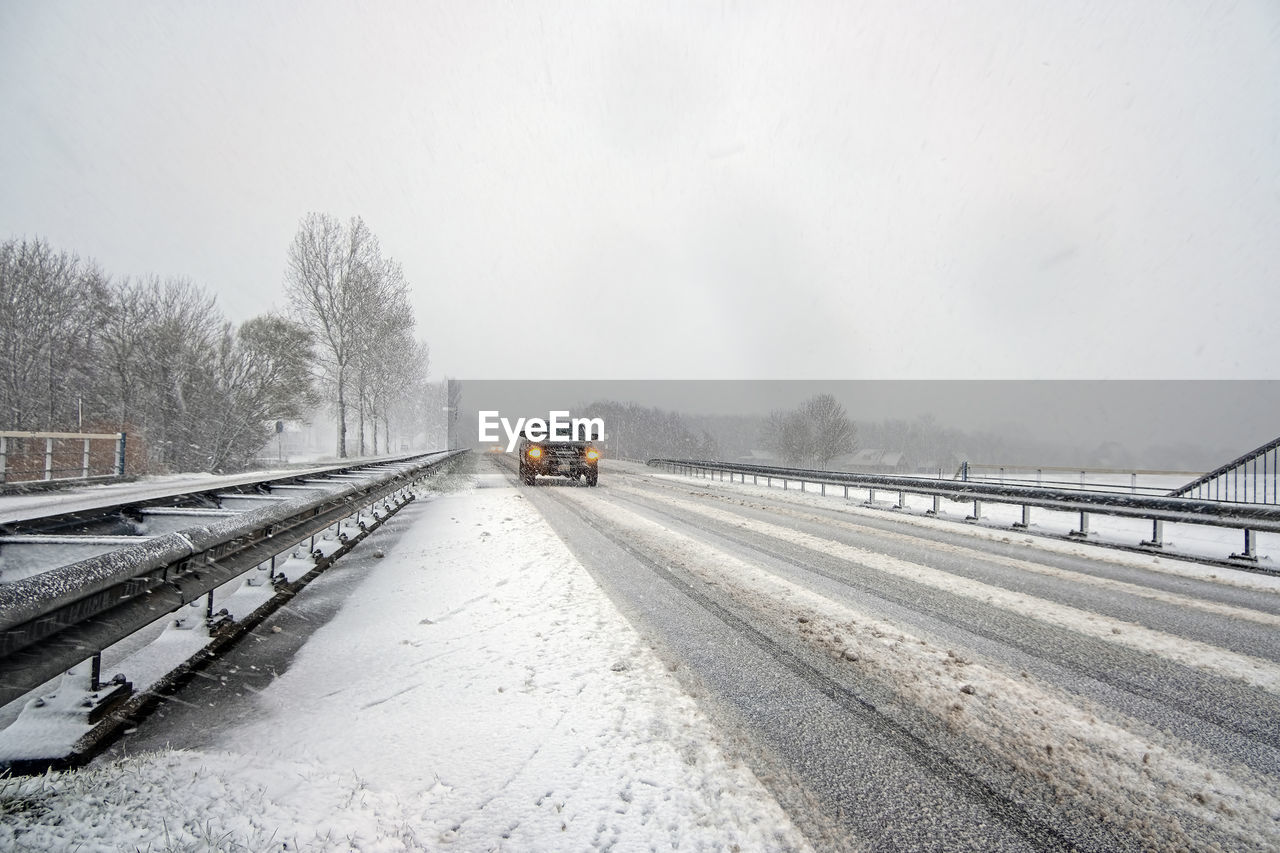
(1251, 479)
(27, 457)
(1133, 481)
(1158, 510)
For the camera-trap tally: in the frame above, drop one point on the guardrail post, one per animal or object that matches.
(86, 459)
(902, 500)
(1084, 526)
(1157, 535)
(48, 458)
(1026, 517)
(4, 457)
(802, 485)
(824, 489)
(977, 511)
(846, 493)
(1250, 541)
(937, 505)
(120, 455)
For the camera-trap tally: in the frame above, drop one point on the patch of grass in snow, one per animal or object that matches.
(144, 803)
(15, 801)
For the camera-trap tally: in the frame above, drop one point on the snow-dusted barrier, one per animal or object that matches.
(51, 622)
(1248, 518)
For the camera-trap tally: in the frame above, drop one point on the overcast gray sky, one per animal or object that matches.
(731, 190)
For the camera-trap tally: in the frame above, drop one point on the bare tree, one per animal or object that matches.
(833, 434)
(263, 375)
(386, 340)
(123, 340)
(174, 372)
(814, 434)
(53, 304)
(331, 274)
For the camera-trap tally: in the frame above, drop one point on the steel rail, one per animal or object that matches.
(83, 507)
(55, 620)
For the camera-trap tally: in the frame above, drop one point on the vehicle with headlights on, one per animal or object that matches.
(572, 459)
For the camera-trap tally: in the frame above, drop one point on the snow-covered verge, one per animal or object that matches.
(478, 692)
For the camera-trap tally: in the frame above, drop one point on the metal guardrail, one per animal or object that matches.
(1249, 518)
(1136, 481)
(55, 620)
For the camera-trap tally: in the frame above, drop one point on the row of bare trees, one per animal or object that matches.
(355, 302)
(640, 432)
(157, 358)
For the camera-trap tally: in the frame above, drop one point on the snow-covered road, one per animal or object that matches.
(932, 686)
(788, 664)
(471, 690)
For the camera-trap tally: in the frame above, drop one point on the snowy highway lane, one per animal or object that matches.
(911, 684)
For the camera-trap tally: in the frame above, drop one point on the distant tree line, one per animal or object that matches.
(639, 432)
(156, 358)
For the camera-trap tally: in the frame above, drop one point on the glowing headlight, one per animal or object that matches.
(593, 455)
(535, 452)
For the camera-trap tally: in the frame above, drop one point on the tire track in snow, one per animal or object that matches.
(1184, 702)
(1182, 600)
(875, 521)
(1161, 793)
(1041, 835)
(1255, 672)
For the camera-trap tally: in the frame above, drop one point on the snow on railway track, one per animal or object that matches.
(43, 531)
(1049, 745)
(161, 606)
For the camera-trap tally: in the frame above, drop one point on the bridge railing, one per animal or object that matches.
(45, 456)
(1134, 481)
(1252, 478)
(1158, 510)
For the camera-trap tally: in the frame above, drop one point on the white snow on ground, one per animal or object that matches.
(1253, 671)
(1121, 768)
(478, 692)
(1191, 539)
